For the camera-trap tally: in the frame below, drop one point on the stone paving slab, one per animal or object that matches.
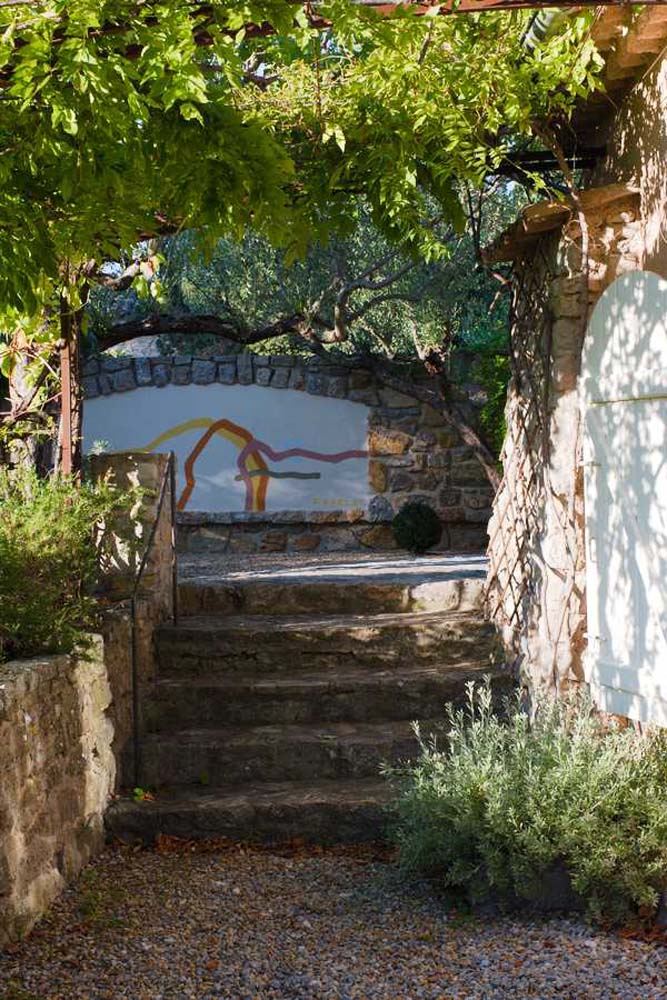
(235, 756)
(421, 621)
(273, 811)
(360, 695)
(333, 567)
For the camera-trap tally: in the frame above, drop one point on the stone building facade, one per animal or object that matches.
(537, 582)
(537, 590)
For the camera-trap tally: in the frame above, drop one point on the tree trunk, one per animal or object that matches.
(71, 412)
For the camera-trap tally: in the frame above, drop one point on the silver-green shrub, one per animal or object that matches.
(498, 801)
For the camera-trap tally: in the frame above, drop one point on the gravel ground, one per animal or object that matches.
(254, 926)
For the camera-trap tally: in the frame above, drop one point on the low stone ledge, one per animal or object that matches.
(203, 534)
(269, 518)
(58, 770)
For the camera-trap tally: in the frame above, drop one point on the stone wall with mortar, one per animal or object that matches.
(67, 722)
(58, 769)
(413, 453)
(137, 608)
(116, 631)
(635, 140)
(537, 589)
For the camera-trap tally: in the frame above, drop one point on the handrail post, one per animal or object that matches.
(174, 557)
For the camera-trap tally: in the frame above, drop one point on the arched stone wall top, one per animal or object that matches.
(108, 374)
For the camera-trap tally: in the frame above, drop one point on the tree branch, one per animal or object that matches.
(378, 301)
(188, 326)
(116, 283)
(435, 394)
(25, 409)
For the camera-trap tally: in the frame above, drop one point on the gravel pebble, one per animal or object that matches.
(254, 926)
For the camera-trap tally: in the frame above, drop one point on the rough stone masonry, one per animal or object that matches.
(58, 769)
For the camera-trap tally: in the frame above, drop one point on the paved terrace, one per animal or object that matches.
(331, 567)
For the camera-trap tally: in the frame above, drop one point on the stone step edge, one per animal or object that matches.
(191, 812)
(280, 583)
(377, 731)
(201, 625)
(329, 681)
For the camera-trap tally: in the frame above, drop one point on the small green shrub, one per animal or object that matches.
(416, 527)
(504, 801)
(493, 373)
(50, 550)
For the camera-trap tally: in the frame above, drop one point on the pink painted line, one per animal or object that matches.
(280, 456)
(247, 481)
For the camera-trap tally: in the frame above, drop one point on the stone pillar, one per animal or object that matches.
(148, 599)
(538, 585)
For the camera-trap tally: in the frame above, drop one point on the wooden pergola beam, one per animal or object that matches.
(475, 6)
(449, 7)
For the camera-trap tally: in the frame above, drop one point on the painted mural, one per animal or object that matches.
(242, 448)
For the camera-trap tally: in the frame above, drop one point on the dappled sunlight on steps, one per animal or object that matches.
(282, 692)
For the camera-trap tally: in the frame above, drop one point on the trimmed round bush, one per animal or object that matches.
(417, 527)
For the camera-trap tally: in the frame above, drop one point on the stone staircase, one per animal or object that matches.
(285, 686)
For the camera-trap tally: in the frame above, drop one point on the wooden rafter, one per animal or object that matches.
(475, 6)
(448, 7)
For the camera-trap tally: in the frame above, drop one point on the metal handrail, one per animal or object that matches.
(168, 477)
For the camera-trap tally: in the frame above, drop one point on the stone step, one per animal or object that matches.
(406, 692)
(199, 597)
(322, 812)
(233, 756)
(261, 644)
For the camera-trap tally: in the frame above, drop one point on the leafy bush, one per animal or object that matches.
(49, 559)
(417, 527)
(493, 373)
(505, 801)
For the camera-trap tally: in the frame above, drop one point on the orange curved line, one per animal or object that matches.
(262, 485)
(259, 495)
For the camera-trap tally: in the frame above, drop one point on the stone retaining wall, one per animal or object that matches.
(305, 532)
(413, 454)
(58, 770)
(66, 722)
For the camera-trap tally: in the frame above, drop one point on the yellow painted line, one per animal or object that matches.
(254, 462)
(189, 425)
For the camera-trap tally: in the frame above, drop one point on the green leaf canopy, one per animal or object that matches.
(120, 120)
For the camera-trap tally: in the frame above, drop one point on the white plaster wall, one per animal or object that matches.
(261, 425)
(624, 398)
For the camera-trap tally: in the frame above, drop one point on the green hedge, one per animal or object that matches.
(416, 527)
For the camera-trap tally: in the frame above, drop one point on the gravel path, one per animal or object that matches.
(254, 926)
